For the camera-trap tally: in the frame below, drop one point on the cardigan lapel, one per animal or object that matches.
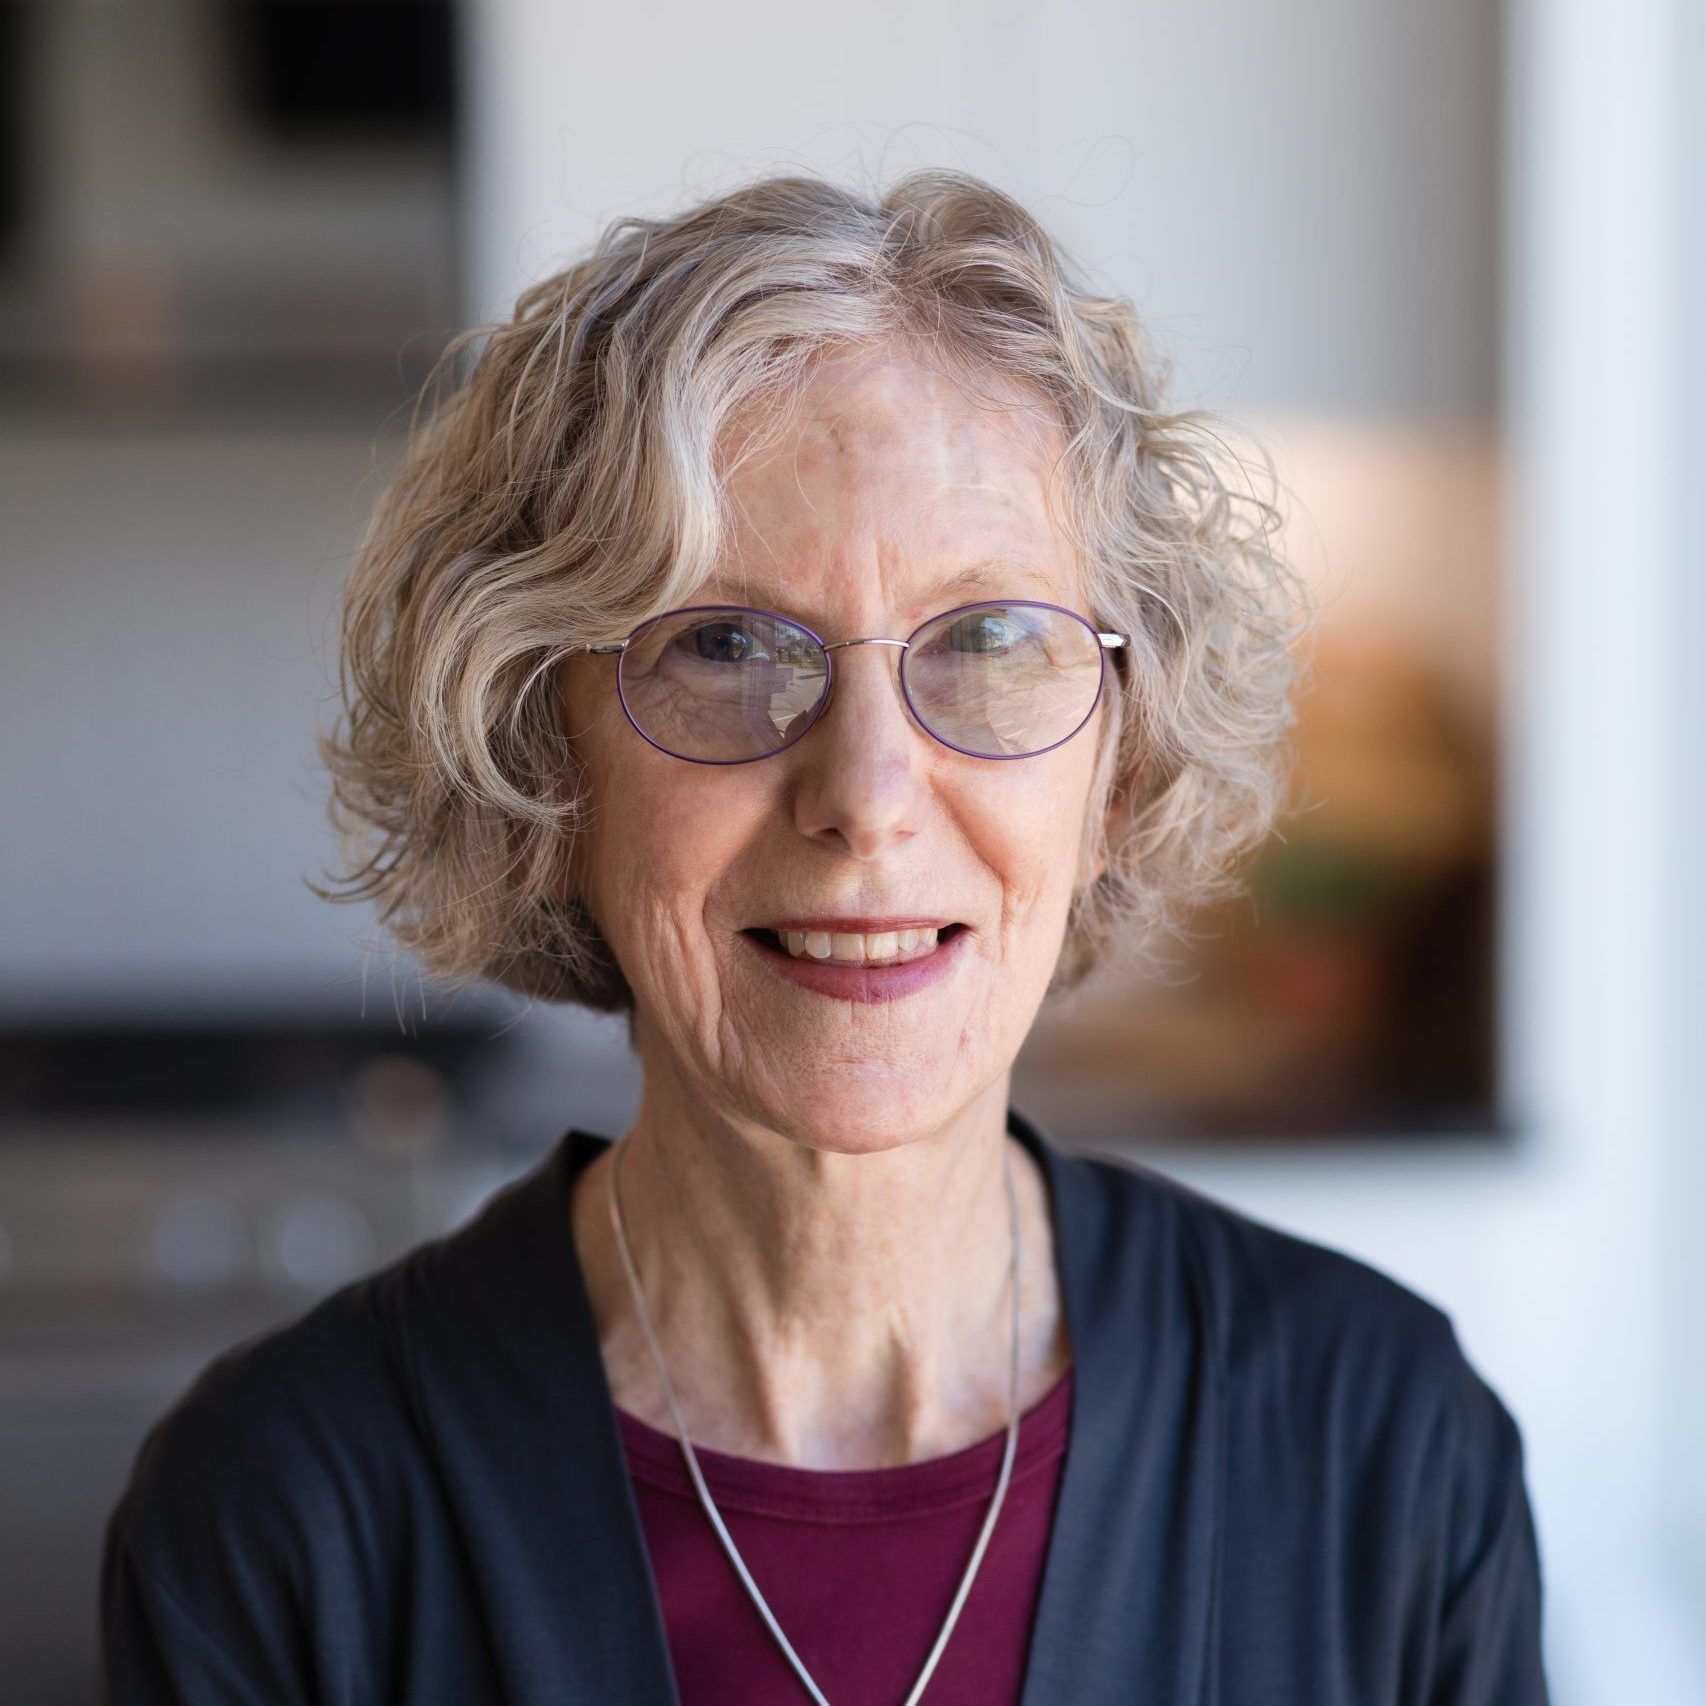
(1126, 1611)
(548, 1502)
(1125, 1607)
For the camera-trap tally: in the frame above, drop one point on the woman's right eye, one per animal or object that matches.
(719, 642)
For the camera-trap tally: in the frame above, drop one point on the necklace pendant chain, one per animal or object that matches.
(704, 1492)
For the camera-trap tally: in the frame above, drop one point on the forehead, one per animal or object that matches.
(892, 482)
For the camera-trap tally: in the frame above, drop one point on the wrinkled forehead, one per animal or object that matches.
(892, 479)
(885, 404)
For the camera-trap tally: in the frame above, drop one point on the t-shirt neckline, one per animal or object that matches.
(851, 1495)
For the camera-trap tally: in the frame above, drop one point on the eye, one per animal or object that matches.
(985, 631)
(720, 642)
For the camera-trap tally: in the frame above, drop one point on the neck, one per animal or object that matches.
(819, 1308)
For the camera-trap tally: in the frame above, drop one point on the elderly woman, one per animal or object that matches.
(805, 630)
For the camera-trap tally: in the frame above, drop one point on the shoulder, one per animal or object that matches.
(282, 1516)
(261, 1515)
(278, 1449)
(1301, 1328)
(308, 1434)
(1337, 1376)
(1258, 1278)
(1351, 1421)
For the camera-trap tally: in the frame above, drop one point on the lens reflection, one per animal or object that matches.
(720, 684)
(1004, 680)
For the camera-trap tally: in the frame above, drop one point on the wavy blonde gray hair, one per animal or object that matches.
(567, 486)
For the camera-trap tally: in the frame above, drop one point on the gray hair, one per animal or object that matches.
(567, 485)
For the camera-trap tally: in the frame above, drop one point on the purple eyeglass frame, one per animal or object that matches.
(1104, 643)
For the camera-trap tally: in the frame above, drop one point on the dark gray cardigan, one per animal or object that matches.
(1285, 1485)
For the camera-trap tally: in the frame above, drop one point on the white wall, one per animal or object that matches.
(167, 576)
(1296, 192)
(166, 652)
(1682, 1004)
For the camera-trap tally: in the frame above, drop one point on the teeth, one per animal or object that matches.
(875, 949)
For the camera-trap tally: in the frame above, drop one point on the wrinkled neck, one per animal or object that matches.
(828, 1310)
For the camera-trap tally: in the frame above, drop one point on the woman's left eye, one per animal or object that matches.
(978, 634)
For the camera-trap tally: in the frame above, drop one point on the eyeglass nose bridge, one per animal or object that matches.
(875, 640)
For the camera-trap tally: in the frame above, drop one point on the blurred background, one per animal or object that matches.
(1442, 256)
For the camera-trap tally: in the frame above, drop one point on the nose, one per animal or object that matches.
(861, 775)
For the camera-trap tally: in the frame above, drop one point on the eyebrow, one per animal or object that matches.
(993, 572)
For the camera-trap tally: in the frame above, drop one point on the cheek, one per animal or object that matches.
(662, 839)
(1030, 834)
(643, 819)
(1050, 803)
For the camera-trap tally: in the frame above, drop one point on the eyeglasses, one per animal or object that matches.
(726, 684)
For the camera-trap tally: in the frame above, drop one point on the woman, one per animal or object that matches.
(806, 631)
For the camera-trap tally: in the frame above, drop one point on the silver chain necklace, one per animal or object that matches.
(704, 1492)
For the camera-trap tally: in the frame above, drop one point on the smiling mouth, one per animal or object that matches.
(876, 949)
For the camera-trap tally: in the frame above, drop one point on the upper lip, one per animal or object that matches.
(859, 926)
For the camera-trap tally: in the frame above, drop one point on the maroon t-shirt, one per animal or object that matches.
(858, 1566)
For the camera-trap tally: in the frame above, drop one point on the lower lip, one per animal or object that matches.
(863, 983)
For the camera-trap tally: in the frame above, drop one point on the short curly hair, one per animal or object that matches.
(567, 485)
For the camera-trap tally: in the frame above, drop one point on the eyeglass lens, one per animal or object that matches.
(724, 684)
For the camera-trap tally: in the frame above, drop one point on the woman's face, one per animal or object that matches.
(875, 511)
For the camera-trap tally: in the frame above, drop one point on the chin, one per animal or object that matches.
(863, 1116)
